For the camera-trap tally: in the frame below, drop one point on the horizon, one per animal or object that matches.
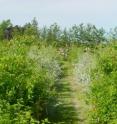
(63, 12)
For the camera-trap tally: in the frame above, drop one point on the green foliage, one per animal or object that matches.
(27, 78)
(87, 34)
(3, 25)
(31, 28)
(104, 87)
(33, 61)
(83, 34)
(113, 34)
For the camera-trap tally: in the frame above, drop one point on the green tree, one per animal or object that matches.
(87, 34)
(4, 25)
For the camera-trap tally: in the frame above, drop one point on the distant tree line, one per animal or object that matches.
(83, 33)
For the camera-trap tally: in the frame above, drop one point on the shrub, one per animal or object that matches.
(104, 88)
(26, 82)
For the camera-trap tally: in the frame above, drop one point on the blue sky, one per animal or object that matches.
(64, 12)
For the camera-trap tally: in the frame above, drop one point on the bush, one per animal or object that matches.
(104, 88)
(26, 84)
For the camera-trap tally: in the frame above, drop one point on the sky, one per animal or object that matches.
(102, 13)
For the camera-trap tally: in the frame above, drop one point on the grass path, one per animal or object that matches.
(71, 107)
(79, 81)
